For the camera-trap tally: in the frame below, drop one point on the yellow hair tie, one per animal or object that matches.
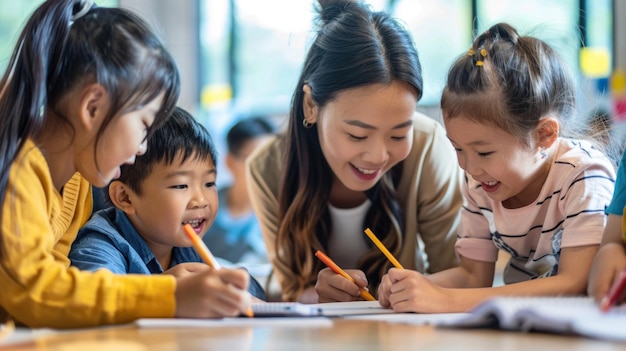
(470, 52)
(483, 52)
(479, 63)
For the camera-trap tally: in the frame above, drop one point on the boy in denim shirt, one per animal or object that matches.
(172, 184)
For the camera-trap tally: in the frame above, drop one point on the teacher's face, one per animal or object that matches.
(364, 132)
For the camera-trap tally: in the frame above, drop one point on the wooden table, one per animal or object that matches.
(344, 335)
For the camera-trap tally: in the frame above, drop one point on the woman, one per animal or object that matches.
(356, 155)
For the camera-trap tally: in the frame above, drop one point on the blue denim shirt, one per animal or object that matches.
(109, 240)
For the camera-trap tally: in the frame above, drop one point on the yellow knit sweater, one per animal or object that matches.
(38, 286)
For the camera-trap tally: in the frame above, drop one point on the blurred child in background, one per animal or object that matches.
(236, 235)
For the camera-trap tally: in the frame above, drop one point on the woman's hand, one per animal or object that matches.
(332, 287)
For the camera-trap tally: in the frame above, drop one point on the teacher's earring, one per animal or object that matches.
(306, 124)
(543, 153)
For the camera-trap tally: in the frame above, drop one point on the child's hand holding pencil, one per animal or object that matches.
(223, 289)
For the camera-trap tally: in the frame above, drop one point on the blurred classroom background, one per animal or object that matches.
(240, 58)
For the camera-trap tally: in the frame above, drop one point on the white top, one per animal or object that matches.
(347, 242)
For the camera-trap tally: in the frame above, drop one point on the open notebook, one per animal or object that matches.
(330, 309)
(562, 315)
(269, 314)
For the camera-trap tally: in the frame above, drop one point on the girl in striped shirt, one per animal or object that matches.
(530, 189)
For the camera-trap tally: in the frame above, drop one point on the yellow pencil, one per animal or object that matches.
(335, 268)
(382, 248)
(206, 255)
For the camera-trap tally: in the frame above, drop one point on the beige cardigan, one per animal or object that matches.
(429, 193)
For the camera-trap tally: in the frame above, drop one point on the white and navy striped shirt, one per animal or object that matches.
(568, 212)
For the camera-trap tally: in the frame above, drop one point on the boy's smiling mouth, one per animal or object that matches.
(196, 224)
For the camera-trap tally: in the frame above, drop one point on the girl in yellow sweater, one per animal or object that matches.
(83, 90)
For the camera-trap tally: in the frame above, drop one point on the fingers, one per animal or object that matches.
(359, 277)
(332, 287)
(255, 299)
(609, 261)
(237, 277)
(384, 292)
(212, 293)
(602, 284)
(232, 301)
(403, 288)
(193, 266)
(233, 291)
(397, 275)
(335, 289)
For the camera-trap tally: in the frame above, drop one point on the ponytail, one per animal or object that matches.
(24, 97)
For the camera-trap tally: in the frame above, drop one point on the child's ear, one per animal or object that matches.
(94, 103)
(119, 195)
(309, 105)
(547, 131)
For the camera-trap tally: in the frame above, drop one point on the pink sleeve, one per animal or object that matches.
(474, 241)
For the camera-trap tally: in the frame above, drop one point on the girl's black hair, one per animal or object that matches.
(62, 47)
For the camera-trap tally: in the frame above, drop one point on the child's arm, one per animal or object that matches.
(409, 291)
(610, 259)
(469, 274)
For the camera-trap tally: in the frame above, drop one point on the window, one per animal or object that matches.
(554, 21)
(430, 23)
(252, 52)
(13, 17)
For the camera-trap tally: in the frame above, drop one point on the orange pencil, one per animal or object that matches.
(382, 248)
(206, 255)
(201, 248)
(335, 268)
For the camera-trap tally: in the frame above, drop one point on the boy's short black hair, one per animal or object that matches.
(182, 136)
